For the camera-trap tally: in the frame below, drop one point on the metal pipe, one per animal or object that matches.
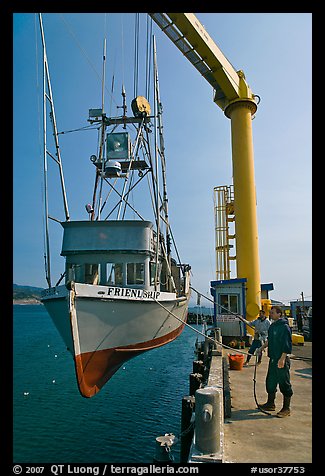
(240, 113)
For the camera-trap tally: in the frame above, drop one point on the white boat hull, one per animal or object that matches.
(105, 326)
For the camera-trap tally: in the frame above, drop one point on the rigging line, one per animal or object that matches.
(136, 55)
(89, 128)
(176, 250)
(133, 155)
(153, 191)
(145, 145)
(127, 193)
(136, 183)
(161, 151)
(117, 204)
(107, 196)
(170, 274)
(120, 201)
(148, 53)
(69, 29)
(129, 185)
(151, 196)
(130, 188)
(122, 45)
(199, 332)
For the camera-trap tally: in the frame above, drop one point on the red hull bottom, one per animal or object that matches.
(94, 369)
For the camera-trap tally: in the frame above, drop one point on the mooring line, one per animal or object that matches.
(222, 307)
(199, 332)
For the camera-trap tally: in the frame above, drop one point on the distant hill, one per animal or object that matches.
(26, 294)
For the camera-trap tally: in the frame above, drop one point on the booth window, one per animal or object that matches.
(229, 303)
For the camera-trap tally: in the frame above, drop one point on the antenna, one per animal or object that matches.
(103, 78)
(102, 138)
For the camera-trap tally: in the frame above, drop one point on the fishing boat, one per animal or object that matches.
(122, 292)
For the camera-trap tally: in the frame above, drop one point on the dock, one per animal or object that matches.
(251, 436)
(246, 434)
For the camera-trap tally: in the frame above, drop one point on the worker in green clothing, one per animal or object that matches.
(279, 344)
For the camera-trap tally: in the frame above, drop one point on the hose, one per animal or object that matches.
(255, 398)
(222, 345)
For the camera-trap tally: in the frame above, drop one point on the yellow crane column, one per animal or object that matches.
(240, 113)
(233, 95)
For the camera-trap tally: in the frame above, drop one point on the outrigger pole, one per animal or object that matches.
(47, 95)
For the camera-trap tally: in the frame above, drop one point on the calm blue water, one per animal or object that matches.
(54, 424)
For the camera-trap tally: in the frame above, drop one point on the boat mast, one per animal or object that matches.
(47, 96)
(163, 164)
(46, 208)
(156, 157)
(162, 147)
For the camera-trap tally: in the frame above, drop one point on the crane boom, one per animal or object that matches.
(192, 39)
(235, 98)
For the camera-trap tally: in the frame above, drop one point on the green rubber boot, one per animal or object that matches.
(269, 405)
(285, 410)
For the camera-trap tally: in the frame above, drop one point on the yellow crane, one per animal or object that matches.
(233, 95)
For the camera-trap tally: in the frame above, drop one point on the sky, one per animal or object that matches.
(273, 49)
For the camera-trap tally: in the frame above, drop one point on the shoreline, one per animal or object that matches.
(26, 301)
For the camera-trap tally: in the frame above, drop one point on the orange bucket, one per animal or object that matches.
(236, 361)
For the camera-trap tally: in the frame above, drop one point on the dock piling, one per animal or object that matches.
(208, 419)
(187, 429)
(195, 382)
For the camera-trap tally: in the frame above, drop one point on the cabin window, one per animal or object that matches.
(70, 272)
(75, 272)
(153, 268)
(135, 273)
(114, 274)
(91, 273)
(229, 303)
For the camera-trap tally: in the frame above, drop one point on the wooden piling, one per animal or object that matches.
(195, 382)
(198, 367)
(187, 431)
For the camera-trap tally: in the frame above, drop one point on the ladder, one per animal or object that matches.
(224, 215)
